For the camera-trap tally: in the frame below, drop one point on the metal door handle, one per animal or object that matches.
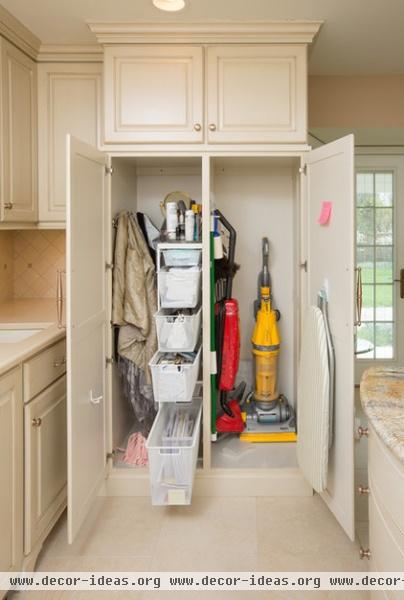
(197, 126)
(359, 296)
(401, 282)
(96, 399)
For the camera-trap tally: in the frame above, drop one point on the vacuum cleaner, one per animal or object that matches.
(268, 415)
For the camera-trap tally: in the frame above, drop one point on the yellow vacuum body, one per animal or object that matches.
(265, 348)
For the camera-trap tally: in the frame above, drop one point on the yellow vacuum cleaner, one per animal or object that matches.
(268, 415)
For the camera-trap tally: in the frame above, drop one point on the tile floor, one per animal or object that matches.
(214, 534)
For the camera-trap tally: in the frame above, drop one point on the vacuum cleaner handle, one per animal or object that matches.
(232, 249)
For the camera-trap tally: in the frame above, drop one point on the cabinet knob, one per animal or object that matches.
(363, 432)
(37, 422)
(212, 127)
(8, 205)
(364, 553)
(59, 363)
(363, 490)
(197, 126)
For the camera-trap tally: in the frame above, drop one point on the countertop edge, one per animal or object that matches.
(382, 399)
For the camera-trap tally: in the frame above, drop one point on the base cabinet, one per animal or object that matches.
(11, 472)
(18, 120)
(45, 460)
(386, 533)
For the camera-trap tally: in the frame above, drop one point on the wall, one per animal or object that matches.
(356, 101)
(29, 260)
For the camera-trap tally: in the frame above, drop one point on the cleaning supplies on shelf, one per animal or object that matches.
(175, 375)
(179, 287)
(178, 331)
(173, 452)
(189, 225)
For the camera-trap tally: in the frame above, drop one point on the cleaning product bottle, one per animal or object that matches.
(189, 225)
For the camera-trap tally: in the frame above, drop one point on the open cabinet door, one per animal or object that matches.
(329, 177)
(86, 318)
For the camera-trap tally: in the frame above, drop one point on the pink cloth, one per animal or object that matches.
(136, 451)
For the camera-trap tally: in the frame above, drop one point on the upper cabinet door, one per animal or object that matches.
(18, 135)
(330, 265)
(69, 103)
(257, 94)
(153, 94)
(86, 317)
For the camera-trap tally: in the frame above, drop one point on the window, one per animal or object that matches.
(375, 256)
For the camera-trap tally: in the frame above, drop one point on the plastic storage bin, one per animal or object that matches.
(177, 332)
(182, 257)
(174, 383)
(179, 287)
(172, 446)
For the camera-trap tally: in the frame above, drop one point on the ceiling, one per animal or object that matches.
(358, 36)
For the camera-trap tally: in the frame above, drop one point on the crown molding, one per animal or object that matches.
(279, 32)
(70, 53)
(16, 33)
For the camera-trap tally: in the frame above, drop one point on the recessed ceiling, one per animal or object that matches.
(358, 37)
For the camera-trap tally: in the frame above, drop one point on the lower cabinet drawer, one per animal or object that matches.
(43, 369)
(45, 460)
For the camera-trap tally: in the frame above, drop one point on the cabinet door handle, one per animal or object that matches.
(364, 553)
(197, 126)
(359, 296)
(37, 422)
(212, 127)
(363, 432)
(96, 399)
(363, 490)
(59, 363)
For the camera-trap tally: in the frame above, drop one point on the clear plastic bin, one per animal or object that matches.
(172, 460)
(182, 257)
(174, 383)
(179, 288)
(177, 333)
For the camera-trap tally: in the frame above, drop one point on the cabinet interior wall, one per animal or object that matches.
(259, 196)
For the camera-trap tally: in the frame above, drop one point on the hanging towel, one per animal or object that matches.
(134, 300)
(313, 408)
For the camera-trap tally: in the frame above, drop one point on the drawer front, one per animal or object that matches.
(45, 460)
(386, 542)
(43, 369)
(387, 473)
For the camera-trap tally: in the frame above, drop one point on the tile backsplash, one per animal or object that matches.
(36, 256)
(6, 265)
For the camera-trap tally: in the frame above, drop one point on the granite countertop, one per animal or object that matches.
(382, 397)
(28, 313)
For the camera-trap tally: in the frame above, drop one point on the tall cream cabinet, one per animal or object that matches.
(225, 121)
(18, 123)
(11, 471)
(69, 96)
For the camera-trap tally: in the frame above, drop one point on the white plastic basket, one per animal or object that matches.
(174, 383)
(177, 333)
(172, 460)
(182, 257)
(179, 288)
